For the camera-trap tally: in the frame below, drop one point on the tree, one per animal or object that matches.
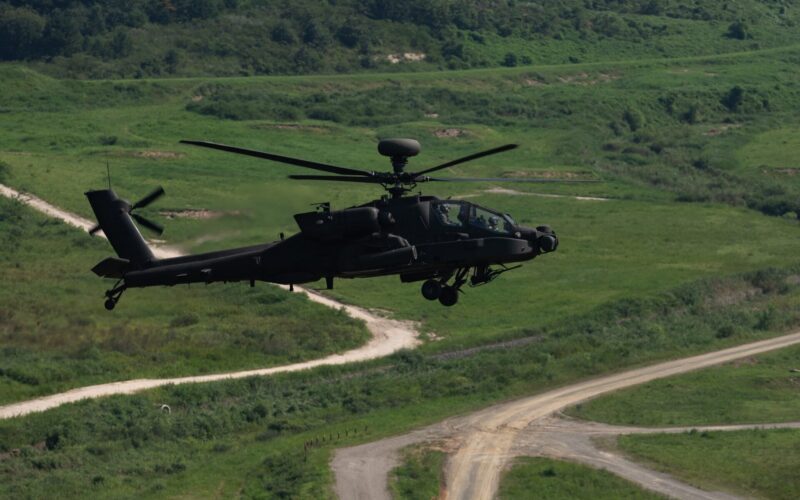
(121, 44)
(733, 99)
(283, 34)
(739, 30)
(20, 31)
(510, 60)
(171, 59)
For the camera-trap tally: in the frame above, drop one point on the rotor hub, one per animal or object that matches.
(399, 148)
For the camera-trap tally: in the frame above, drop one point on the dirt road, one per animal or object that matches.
(485, 441)
(575, 440)
(388, 335)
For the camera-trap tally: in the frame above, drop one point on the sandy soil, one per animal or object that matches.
(514, 192)
(388, 335)
(488, 439)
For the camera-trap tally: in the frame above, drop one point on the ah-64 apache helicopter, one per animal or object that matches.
(444, 243)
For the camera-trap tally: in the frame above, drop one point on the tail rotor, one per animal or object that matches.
(142, 203)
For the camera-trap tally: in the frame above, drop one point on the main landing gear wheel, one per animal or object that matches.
(113, 295)
(431, 289)
(448, 296)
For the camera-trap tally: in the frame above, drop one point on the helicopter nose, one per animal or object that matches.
(547, 243)
(543, 239)
(546, 240)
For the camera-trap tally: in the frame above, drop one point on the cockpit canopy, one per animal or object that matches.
(456, 214)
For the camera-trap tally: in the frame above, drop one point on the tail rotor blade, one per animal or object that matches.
(156, 228)
(150, 198)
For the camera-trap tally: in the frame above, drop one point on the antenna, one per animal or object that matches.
(108, 174)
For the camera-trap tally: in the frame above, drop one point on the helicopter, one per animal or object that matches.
(444, 243)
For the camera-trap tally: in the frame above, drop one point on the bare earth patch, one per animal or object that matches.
(790, 171)
(584, 78)
(713, 132)
(194, 213)
(449, 132)
(290, 126)
(406, 57)
(158, 155)
(745, 362)
(728, 296)
(532, 82)
(513, 192)
(547, 174)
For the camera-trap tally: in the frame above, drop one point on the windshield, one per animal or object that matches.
(448, 213)
(459, 214)
(487, 219)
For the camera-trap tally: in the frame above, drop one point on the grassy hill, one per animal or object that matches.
(685, 113)
(92, 39)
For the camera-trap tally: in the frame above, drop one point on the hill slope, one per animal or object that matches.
(244, 37)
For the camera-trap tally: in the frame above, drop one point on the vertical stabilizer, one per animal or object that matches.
(114, 219)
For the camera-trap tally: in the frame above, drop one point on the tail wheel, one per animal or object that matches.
(431, 289)
(448, 296)
(110, 303)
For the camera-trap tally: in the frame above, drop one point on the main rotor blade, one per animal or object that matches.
(345, 178)
(474, 156)
(156, 228)
(282, 159)
(150, 198)
(499, 179)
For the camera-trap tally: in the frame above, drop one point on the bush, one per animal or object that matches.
(738, 30)
(733, 99)
(634, 118)
(510, 60)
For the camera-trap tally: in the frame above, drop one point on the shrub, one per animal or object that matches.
(738, 30)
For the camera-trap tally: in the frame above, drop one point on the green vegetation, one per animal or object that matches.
(758, 463)
(753, 390)
(55, 337)
(420, 474)
(692, 149)
(554, 479)
(248, 435)
(570, 120)
(145, 38)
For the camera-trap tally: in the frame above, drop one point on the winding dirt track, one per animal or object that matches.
(485, 441)
(388, 335)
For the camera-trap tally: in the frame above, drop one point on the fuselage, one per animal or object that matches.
(416, 237)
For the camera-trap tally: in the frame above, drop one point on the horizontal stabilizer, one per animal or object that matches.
(112, 267)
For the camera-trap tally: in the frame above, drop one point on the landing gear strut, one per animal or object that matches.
(113, 295)
(447, 295)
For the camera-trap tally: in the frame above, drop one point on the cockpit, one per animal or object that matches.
(455, 214)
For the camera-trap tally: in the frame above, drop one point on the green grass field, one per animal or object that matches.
(695, 251)
(759, 463)
(56, 336)
(531, 478)
(248, 435)
(570, 121)
(761, 389)
(420, 474)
